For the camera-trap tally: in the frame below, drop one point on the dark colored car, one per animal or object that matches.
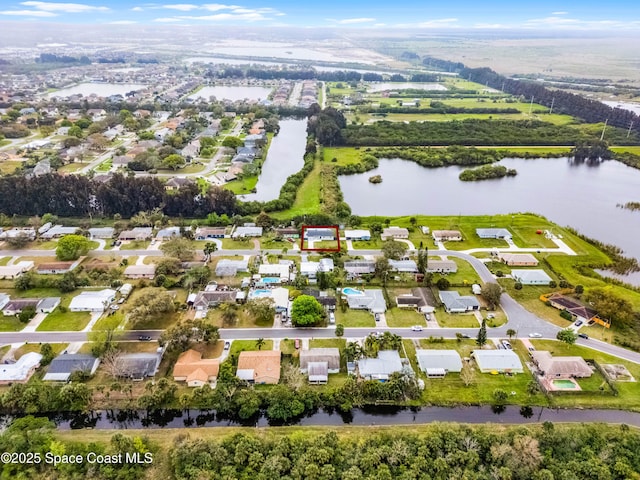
(144, 338)
(583, 335)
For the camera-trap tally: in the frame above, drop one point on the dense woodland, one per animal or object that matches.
(78, 196)
(439, 451)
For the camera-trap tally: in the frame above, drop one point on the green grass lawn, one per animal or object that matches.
(355, 318)
(71, 167)
(238, 346)
(466, 274)
(64, 321)
(242, 185)
(7, 167)
(402, 317)
(629, 397)
(244, 320)
(46, 245)
(135, 245)
(328, 343)
(237, 244)
(4, 260)
(373, 244)
(287, 346)
(192, 168)
(273, 244)
(35, 347)
(456, 320)
(105, 166)
(344, 155)
(11, 324)
(308, 196)
(332, 244)
(635, 150)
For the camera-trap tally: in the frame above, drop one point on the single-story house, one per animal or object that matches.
(326, 265)
(54, 268)
(14, 271)
(518, 259)
(207, 299)
(446, 236)
(92, 301)
(437, 363)
(454, 303)
(497, 233)
(380, 368)
(500, 361)
(414, 301)
(125, 289)
(403, 266)
(578, 310)
(138, 233)
(48, 304)
(14, 307)
(141, 271)
(531, 277)
(206, 233)
(4, 299)
(262, 366)
(30, 233)
(323, 298)
(176, 183)
(243, 232)
(105, 233)
(318, 373)
(21, 371)
(138, 366)
(309, 269)
(355, 268)
(58, 231)
(319, 234)
(357, 235)
(391, 233)
(168, 233)
(280, 297)
(287, 232)
(442, 266)
(275, 270)
(229, 268)
(195, 370)
(372, 300)
(330, 356)
(561, 367)
(64, 365)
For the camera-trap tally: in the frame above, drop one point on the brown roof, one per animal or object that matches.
(191, 365)
(55, 266)
(264, 363)
(561, 366)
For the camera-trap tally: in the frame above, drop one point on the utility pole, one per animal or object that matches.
(503, 82)
(629, 131)
(552, 102)
(603, 129)
(531, 106)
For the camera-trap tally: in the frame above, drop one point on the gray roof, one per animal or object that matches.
(403, 266)
(64, 365)
(453, 301)
(372, 300)
(139, 365)
(331, 356)
(449, 360)
(320, 232)
(318, 371)
(530, 276)
(49, 302)
(493, 232)
(388, 361)
(436, 265)
(360, 266)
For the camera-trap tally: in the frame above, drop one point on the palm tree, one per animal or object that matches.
(511, 333)
(209, 248)
(260, 343)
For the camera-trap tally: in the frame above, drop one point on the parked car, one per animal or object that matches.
(227, 345)
(535, 335)
(583, 335)
(144, 338)
(377, 317)
(416, 328)
(114, 307)
(578, 323)
(297, 343)
(332, 317)
(464, 335)
(507, 345)
(491, 315)
(121, 301)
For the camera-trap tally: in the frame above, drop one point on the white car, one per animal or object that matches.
(416, 328)
(535, 335)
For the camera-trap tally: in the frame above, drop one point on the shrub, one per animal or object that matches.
(518, 286)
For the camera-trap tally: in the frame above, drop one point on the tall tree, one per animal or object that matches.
(481, 339)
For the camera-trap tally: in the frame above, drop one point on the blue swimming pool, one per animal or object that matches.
(259, 293)
(270, 280)
(351, 291)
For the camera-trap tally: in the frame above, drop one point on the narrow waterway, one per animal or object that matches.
(135, 419)
(285, 157)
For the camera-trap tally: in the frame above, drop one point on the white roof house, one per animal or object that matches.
(92, 301)
(242, 232)
(394, 232)
(432, 361)
(125, 289)
(102, 232)
(493, 233)
(309, 269)
(372, 300)
(403, 266)
(455, 303)
(59, 231)
(275, 270)
(168, 233)
(20, 371)
(357, 234)
(380, 368)
(531, 277)
(140, 271)
(498, 361)
(229, 268)
(326, 265)
(442, 266)
(13, 271)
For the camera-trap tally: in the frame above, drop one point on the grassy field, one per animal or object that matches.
(64, 321)
(193, 168)
(237, 244)
(245, 320)
(466, 274)
(7, 167)
(373, 244)
(554, 118)
(402, 317)
(238, 346)
(635, 150)
(4, 261)
(71, 167)
(355, 318)
(328, 343)
(135, 245)
(35, 347)
(242, 185)
(308, 196)
(10, 324)
(456, 320)
(331, 244)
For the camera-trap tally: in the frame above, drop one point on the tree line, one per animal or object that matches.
(79, 196)
(589, 110)
(486, 172)
(312, 74)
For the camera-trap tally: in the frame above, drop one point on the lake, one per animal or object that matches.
(284, 158)
(581, 195)
(100, 89)
(632, 107)
(381, 87)
(232, 92)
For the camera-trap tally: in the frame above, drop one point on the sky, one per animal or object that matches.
(375, 14)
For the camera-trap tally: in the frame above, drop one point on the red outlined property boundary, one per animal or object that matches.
(313, 227)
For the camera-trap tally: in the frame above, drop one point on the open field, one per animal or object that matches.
(554, 118)
(308, 196)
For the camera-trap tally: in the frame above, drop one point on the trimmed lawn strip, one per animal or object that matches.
(402, 317)
(238, 346)
(64, 321)
(240, 244)
(355, 318)
(456, 320)
(35, 347)
(328, 343)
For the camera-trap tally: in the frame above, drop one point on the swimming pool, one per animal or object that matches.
(564, 384)
(351, 291)
(270, 280)
(259, 293)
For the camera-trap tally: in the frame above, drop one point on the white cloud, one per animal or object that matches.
(563, 23)
(137, 9)
(122, 22)
(559, 13)
(214, 7)
(491, 25)
(28, 13)
(183, 7)
(167, 20)
(441, 22)
(64, 7)
(350, 21)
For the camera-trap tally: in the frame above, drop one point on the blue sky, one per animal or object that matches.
(380, 14)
